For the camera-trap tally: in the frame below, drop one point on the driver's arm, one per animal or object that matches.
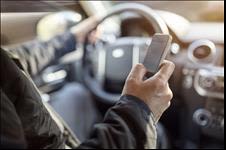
(131, 122)
(35, 55)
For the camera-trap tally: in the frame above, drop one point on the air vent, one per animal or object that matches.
(202, 52)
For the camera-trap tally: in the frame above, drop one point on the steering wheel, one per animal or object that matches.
(113, 60)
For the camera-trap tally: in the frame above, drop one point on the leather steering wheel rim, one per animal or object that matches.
(153, 18)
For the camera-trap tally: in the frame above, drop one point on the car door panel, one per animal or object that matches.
(19, 27)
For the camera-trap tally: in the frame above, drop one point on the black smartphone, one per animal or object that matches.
(157, 52)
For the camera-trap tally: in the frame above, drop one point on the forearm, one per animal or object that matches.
(35, 55)
(126, 125)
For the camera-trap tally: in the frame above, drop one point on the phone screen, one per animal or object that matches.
(157, 51)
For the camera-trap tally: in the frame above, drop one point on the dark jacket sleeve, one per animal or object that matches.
(127, 125)
(36, 54)
(12, 134)
(38, 127)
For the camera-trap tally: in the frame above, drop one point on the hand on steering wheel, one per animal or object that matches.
(82, 29)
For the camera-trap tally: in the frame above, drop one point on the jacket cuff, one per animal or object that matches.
(147, 113)
(138, 102)
(70, 42)
(64, 43)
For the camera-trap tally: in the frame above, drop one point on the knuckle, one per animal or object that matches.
(169, 95)
(131, 81)
(139, 66)
(168, 64)
(171, 64)
(167, 104)
(160, 82)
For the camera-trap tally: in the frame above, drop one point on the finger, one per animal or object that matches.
(95, 35)
(138, 72)
(90, 22)
(165, 71)
(85, 26)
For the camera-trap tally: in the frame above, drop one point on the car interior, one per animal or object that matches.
(195, 118)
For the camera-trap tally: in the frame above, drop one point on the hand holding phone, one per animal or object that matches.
(157, 52)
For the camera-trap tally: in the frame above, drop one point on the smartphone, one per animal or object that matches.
(157, 52)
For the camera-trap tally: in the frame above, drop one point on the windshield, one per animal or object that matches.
(202, 11)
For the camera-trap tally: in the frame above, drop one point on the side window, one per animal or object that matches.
(23, 21)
